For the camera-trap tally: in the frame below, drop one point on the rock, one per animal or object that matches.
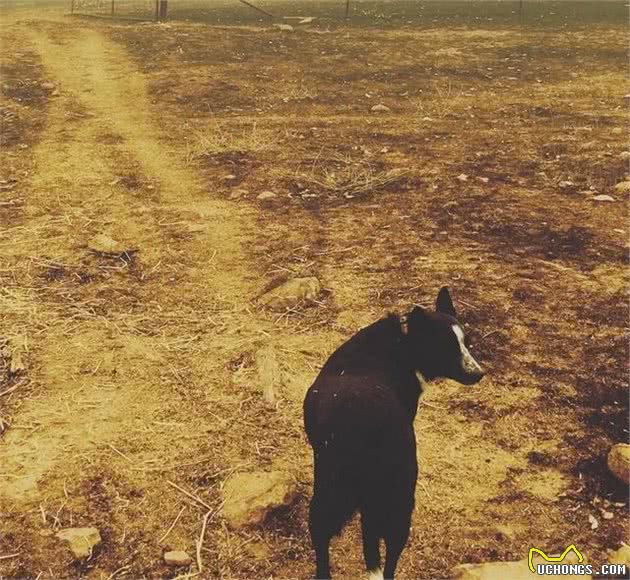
(503, 532)
(625, 155)
(566, 184)
(177, 558)
(380, 109)
(617, 131)
(259, 551)
(603, 198)
(291, 293)
(284, 27)
(619, 462)
(265, 195)
(518, 570)
(103, 244)
(249, 497)
(238, 193)
(81, 541)
(462, 177)
(268, 373)
(623, 187)
(493, 571)
(48, 86)
(620, 556)
(230, 177)
(592, 520)
(607, 515)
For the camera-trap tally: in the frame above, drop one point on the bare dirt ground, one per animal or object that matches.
(139, 371)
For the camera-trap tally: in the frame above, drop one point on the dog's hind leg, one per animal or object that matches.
(321, 534)
(395, 540)
(371, 549)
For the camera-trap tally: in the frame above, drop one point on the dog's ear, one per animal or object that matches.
(444, 303)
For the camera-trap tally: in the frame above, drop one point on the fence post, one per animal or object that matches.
(347, 9)
(163, 9)
(157, 10)
(72, 7)
(113, 7)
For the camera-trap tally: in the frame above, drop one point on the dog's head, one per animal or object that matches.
(438, 343)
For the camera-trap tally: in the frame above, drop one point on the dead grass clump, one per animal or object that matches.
(219, 139)
(441, 102)
(343, 177)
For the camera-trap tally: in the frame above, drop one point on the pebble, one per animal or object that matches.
(177, 558)
(81, 541)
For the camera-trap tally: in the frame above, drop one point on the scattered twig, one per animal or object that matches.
(115, 572)
(119, 452)
(9, 556)
(489, 333)
(200, 540)
(10, 390)
(432, 405)
(170, 529)
(190, 495)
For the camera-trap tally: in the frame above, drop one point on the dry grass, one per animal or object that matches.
(220, 137)
(343, 177)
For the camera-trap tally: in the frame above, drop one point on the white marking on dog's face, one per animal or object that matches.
(376, 574)
(469, 364)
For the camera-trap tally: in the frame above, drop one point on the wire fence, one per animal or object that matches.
(369, 13)
(129, 9)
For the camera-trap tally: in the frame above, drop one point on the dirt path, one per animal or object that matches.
(103, 189)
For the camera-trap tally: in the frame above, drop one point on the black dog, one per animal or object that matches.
(359, 416)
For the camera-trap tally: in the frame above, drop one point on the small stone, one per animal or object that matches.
(380, 109)
(565, 184)
(238, 193)
(177, 558)
(620, 556)
(503, 532)
(249, 497)
(492, 571)
(230, 177)
(624, 155)
(265, 195)
(291, 293)
(48, 86)
(81, 541)
(284, 27)
(617, 131)
(603, 198)
(623, 187)
(518, 570)
(607, 515)
(619, 462)
(103, 244)
(593, 521)
(462, 177)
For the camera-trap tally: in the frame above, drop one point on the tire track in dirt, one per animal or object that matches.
(99, 125)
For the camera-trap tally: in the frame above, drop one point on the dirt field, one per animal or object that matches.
(140, 370)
